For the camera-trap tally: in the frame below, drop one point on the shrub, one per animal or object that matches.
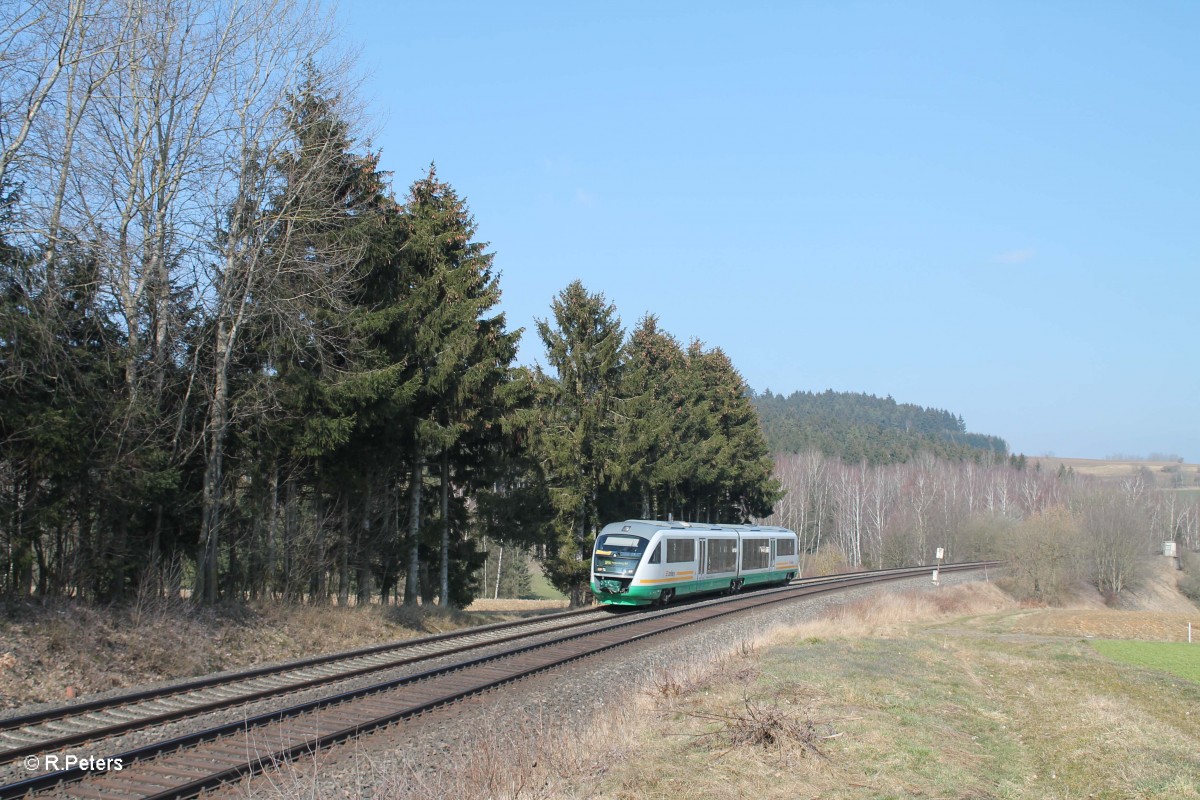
(1044, 554)
(829, 560)
(1189, 582)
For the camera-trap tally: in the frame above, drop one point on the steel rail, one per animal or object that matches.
(73, 709)
(12, 724)
(687, 615)
(195, 709)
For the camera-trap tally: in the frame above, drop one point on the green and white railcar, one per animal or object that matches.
(641, 562)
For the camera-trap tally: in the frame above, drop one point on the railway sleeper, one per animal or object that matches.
(178, 769)
(88, 793)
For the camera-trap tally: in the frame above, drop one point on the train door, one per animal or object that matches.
(703, 558)
(773, 541)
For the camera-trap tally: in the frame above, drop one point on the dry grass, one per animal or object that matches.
(935, 694)
(60, 650)
(532, 757)
(485, 605)
(1108, 624)
(892, 615)
(1116, 469)
(733, 663)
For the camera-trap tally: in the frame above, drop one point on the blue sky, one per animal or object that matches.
(991, 208)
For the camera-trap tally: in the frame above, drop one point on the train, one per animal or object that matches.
(646, 562)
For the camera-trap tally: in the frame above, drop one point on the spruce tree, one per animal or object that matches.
(319, 374)
(652, 416)
(729, 466)
(460, 354)
(577, 432)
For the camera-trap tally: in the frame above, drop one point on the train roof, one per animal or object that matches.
(648, 527)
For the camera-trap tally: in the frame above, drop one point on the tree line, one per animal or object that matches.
(1053, 528)
(234, 363)
(860, 427)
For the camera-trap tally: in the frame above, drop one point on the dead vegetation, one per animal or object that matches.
(533, 756)
(888, 614)
(765, 725)
(57, 650)
(502, 604)
(958, 692)
(729, 665)
(1107, 624)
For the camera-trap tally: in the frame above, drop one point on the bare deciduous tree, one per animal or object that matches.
(257, 209)
(38, 42)
(1045, 554)
(894, 515)
(1117, 538)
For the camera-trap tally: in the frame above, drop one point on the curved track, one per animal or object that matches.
(185, 766)
(54, 728)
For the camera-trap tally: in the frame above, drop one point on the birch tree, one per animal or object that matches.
(256, 210)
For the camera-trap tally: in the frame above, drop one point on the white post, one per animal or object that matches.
(499, 561)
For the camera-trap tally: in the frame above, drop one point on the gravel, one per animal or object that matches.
(17, 771)
(415, 757)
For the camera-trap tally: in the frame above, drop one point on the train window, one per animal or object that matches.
(617, 555)
(756, 553)
(656, 556)
(681, 550)
(622, 544)
(722, 555)
(785, 547)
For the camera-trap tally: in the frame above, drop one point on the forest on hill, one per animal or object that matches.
(856, 427)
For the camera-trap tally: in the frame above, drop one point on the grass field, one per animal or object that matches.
(541, 587)
(1177, 658)
(1166, 473)
(872, 706)
(956, 693)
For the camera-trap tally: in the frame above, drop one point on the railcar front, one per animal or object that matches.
(615, 559)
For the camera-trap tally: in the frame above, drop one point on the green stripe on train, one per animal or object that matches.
(646, 595)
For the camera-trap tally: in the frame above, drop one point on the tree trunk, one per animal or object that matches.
(289, 536)
(344, 560)
(428, 586)
(444, 576)
(361, 555)
(319, 585)
(207, 589)
(412, 580)
(268, 577)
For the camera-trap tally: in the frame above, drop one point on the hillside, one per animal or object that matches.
(857, 427)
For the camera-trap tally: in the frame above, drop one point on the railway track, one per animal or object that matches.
(187, 765)
(33, 733)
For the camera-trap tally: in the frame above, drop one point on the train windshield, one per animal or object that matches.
(618, 554)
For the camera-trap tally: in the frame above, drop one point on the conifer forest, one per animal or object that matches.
(238, 362)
